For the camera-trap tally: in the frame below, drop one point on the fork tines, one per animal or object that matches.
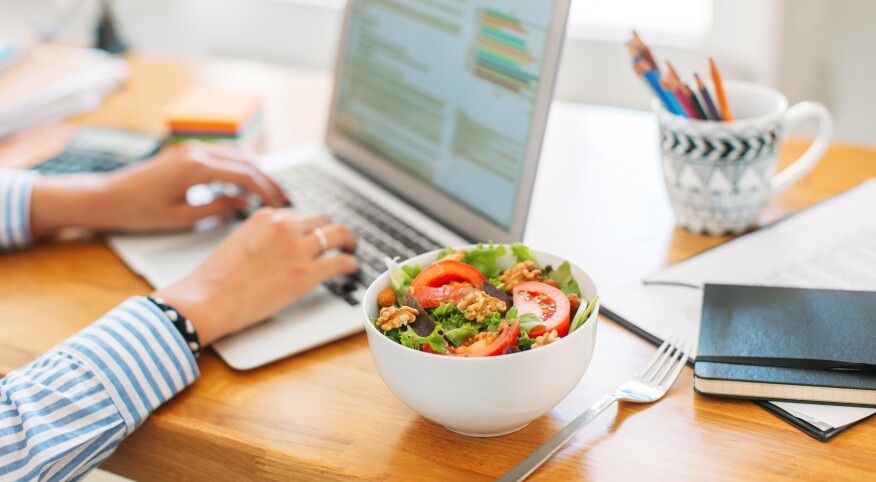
(667, 363)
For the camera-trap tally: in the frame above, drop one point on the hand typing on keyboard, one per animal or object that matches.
(150, 196)
(380, 234)
(274, 258)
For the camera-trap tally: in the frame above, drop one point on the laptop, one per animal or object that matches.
(435, 130)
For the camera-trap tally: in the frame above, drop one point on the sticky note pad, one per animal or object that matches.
(212, 112)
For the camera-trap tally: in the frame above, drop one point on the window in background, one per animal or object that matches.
(609, 19)
(332, 4)
(596, 66)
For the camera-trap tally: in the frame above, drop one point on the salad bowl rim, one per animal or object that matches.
(382, 279)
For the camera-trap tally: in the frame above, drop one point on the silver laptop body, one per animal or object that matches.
(437, 119)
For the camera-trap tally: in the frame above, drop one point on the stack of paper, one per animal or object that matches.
(208, 113)
(13, 48)
(831, 245)
(51, 82)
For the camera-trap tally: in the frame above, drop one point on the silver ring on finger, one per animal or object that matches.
(323, 241)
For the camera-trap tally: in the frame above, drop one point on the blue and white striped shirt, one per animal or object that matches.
(15, 188)
(66, 412)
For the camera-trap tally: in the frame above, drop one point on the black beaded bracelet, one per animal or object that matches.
(185, 327)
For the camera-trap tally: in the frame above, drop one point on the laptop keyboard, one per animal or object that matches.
(379, 234)
(69, 162)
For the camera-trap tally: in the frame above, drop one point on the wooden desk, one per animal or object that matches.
(326, 414)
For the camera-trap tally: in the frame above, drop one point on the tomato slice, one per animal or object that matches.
(432, 297)
(445, 281)
(507, 336)
(428, 349)
(548, 303)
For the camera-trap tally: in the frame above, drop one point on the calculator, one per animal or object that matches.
(101, 149)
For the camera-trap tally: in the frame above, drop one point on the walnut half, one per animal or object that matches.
(546, 339)
(574, 304)
(479, 305)
(455, 256)
(520, 273)
(392, 317)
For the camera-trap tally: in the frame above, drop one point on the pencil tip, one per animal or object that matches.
(667, 83)
(640, 67)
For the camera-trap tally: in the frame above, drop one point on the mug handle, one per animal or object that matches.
(802, 166)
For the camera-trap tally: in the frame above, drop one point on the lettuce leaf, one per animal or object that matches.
(435, 339)
(392, 334)
(400, 277)
(522, 253)
(459, 335)
(446, 252)
(528, 321)
(582, 315)
(524, 342)
(492, 321)
(563, 276)
(449, 316)
(498, 284)
(485, 258)
(412, 271)
(444, 309)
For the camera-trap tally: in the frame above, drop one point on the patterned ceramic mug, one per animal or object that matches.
(720, 175)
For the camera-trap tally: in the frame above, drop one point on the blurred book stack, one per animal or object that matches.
(40, 82)
(215, 114)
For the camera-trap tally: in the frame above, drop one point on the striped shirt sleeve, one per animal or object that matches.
(66, 412)
(15, 189)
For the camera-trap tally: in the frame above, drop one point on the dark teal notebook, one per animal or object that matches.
(788, 344)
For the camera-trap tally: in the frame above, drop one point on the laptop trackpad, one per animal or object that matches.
(166, 258)
(315, 319)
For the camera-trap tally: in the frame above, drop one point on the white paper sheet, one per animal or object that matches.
(831, 245)
(827, 414)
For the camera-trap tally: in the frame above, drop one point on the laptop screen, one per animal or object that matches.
(445, 90)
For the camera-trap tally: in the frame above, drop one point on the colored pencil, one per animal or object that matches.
(711, 110)
(672, 73)
(646, 52)
(688, 101)
(673, 86)
(692, 98)
(651, 77)
(677, 108)
(635, 53)
(726, 114)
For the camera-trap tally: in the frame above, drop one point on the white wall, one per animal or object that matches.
(599, 71)
(810, 49)
(297, 33)
(851, 71)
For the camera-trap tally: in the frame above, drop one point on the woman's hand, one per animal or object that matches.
(150, 196)
(270, 261)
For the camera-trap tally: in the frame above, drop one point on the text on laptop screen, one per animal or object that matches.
(446, 90)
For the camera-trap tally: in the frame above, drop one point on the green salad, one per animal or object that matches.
(465, 304)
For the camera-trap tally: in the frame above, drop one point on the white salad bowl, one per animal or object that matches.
(489, 396)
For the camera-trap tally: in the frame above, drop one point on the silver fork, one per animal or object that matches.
(648, 386)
